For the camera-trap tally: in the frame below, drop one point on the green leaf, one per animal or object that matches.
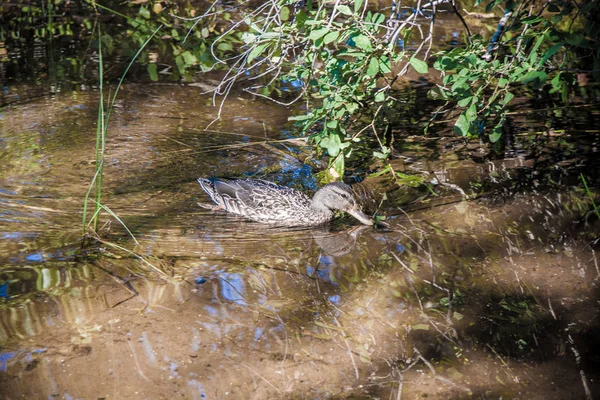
(180, 64)
(338, 166)
(351, 107)
(380, 96)
(556, 83)
(461, 126)
(252, 24)
(152, 71)
(496, 133)
(471, 113)
(419, 65)
(385, 66)
(344, 9)
(224, 46)
(357, 5)
(362, 42)
(575, 39)
(383, 154)
(532, 76)
(490, 5)
(378, 18)
(332, 144)
(331, 37)
(248, 37)
(460, 85)
(256, 51)
(189, 58)
(445, 64)
(284, 14)
(144, 12)
(533, 54)
(301, 18)
(550, 52)
(532, 20)
(437, 93)
(507, 98)
(373, 68)
(303, 117)
(270, 35)
(464, 101)
(317, 34)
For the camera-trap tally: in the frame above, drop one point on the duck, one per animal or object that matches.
(269, 203)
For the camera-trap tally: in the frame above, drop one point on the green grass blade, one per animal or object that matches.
(87, 199)
(142, 259)
(101, 131)
(112, 214)
(111, 104)
(587, 190)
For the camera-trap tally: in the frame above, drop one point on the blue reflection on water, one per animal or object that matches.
(147, 346)
(321, 273)
(335, 299)
(35, 257)
(4, 358)
(211, 311)
(12, 235)
(258, 333)
(232, 288)
(173, 367)
(197, 389)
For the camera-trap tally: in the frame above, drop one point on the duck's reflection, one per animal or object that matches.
(337, 243)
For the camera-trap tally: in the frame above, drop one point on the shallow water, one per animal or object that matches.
(495, 297)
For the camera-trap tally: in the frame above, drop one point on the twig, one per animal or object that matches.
(254, 371)
(347, 347)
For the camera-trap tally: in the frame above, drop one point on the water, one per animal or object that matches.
(487, 298)
(494, 296)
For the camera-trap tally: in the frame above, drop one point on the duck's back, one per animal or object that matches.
(260, 200)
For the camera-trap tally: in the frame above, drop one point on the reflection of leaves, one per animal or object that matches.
(421, 327)
(364, 354)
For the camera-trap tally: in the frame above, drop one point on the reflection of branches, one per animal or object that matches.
(347, 346)
(433, 371)
(253, 371)
(428, 260)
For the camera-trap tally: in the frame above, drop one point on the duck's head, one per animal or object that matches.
(339, 196)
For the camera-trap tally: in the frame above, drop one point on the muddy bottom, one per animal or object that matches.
(462, 297)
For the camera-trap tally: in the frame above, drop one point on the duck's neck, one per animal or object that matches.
(320, 211)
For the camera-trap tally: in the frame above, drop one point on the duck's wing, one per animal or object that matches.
(257, 199)
(239, 196)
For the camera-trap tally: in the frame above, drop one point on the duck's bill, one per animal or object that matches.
(362, 217)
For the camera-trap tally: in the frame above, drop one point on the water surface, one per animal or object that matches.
(490, 297)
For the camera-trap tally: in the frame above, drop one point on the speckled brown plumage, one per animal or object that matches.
(267, 202)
